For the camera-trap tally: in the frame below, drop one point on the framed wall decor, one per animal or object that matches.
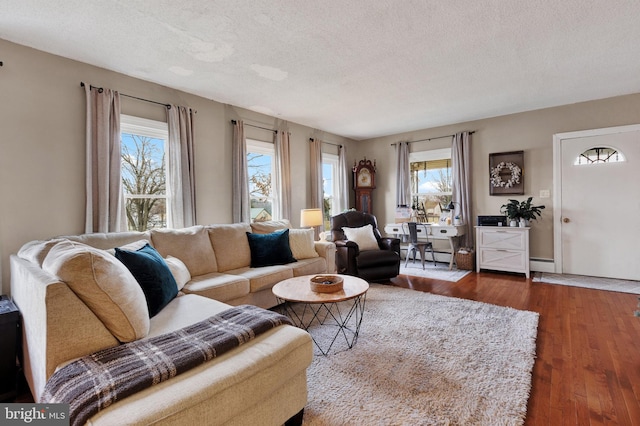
(506, 174)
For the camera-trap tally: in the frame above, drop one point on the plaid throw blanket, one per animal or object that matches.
(96, 381)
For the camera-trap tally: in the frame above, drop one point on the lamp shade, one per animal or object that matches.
(310, 218)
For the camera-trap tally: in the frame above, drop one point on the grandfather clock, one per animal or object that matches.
(364, 182)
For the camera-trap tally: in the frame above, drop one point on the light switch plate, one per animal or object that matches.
(545, 193)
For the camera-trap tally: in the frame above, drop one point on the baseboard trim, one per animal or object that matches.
(542, 265)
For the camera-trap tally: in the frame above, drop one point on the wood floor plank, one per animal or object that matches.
(587, 368)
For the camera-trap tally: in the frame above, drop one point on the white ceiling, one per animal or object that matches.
(357, 68)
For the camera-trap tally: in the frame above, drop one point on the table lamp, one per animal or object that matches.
(310, 218)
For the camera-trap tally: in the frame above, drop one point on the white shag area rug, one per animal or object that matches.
(438, 272)
(424, 359)
(597, 283)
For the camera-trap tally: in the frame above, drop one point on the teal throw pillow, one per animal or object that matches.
(153, 274)
(270, 249)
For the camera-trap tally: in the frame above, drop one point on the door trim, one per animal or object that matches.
(558, 140)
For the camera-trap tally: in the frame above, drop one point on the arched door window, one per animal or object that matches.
(597, 155)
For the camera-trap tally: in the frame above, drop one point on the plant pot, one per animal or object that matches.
(513, 223)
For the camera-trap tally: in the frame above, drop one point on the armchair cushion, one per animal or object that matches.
(374, 259)
(362, 236)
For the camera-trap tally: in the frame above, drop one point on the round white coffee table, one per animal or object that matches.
(343, 309)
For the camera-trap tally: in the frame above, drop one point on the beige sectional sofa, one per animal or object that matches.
(96, 306)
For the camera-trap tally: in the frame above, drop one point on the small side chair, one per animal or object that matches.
(419, 246)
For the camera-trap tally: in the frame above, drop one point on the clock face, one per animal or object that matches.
(364, 178)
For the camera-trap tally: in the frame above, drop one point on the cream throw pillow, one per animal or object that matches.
(363, 237)
(302, 244)
(179, 271)
(104, 284)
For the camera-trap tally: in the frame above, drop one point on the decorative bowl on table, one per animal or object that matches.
(326, 283)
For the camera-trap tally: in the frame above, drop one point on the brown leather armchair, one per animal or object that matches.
(370, 265)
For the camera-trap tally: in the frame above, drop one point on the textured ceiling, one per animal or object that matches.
(358, 68)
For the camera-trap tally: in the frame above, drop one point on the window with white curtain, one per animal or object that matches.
(330, 188)
(144, 172)
(261, 170)
(431, 183)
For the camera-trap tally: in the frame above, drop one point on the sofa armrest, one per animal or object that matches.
(389, 243)
(327, 249)
(56, 325)
(346, 253)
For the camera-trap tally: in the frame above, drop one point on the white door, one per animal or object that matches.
(598, 213)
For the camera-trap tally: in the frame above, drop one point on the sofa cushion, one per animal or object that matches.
(153, 275)
(179, 271)
(132, 246)
(269, 226)
(302, 243)
(109, 240)
(362, 236)
(266, 277)
(36, 251)
(231, 245)
(270, 249)
(191, 245)
(218, 286)
(104, 284)
(310, 266)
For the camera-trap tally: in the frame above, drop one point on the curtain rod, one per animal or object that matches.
(437, 137)
(100, 89)
(328, 143)
(257, 127)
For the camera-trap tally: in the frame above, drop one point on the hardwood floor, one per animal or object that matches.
(587, 370)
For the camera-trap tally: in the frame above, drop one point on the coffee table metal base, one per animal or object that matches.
(346, 316)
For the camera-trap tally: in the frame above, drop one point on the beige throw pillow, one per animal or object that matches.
(104, 284)
(179, 271)
(302, 243)
(363, 237)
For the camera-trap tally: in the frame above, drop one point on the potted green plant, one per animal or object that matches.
(521, 211)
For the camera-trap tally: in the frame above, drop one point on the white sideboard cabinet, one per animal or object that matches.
(502, 248)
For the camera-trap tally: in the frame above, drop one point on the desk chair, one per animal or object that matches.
(415, 245)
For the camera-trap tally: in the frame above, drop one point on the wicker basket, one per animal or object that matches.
(326, 283)
(466, 261)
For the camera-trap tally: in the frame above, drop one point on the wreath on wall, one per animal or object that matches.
(514, 179)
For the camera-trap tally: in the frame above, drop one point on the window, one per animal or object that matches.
(599, 155)
(330, 188)
(431, 183)
(143, 172)
(261, 169)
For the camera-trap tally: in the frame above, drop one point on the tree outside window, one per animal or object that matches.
(144, 173)
(260, 169)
